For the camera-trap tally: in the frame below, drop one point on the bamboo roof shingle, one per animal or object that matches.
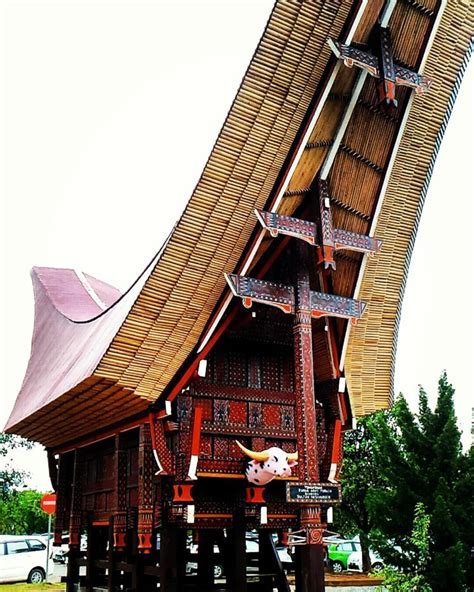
(151, 331)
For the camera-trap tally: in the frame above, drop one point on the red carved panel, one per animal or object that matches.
(221, 411)
(206, 446)
(287, 417)
(221, 447)
(271, 415)
(238, 412)
(258, 444)
(206, 405)
(255, 415)
(234, 450)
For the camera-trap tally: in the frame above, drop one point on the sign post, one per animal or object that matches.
(48, 505)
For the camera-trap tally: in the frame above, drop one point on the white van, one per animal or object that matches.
(23, 558)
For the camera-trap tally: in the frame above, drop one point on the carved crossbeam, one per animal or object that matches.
(382, 66)
(323, 235)
(283, 297)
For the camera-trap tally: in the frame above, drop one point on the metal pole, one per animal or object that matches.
(47, 546)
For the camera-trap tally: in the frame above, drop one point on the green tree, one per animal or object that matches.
(361, 482)
(10, 478)
(20, 511)
(420, 459)
(397, 581)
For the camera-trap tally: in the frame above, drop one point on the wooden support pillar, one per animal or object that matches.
(309, 568)
(181, 553)
(205, 576)
(145, 490)
(308, 462)
(236, 563)
(168, 556)
(137, 573)
(63, 489)
(112, 579)
(75, 523)
(119, 500)
(72, 573)
(265, 561)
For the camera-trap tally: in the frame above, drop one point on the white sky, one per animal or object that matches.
(110, 110)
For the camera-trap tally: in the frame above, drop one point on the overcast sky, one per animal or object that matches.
(109, 113)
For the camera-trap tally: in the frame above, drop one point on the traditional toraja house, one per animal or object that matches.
(173, 408)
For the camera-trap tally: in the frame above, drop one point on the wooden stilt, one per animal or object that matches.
(309, 575)
(181, 559)
(75, 523)
(237, 561)
(168, 557)
(91, 571)
(205, 577)
(111, 573)
(265, 561)
(72, 574)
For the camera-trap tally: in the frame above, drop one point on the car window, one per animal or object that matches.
(2, 548)
(251, 546)
(36, 545)
(17, 547)
(345, 547)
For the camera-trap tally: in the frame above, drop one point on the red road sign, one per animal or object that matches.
(48, 503)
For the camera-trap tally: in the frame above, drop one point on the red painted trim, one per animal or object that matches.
(332, 341)
(336, 443)
(196, 439)
(151, 420)
(342, 402)
(104, 436)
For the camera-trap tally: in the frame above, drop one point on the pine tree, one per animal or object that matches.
(361, 481)
(420, 459)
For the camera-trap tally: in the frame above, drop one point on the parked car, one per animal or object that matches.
(347, 555)
(23, 558)
(251, 548)
(60, 552)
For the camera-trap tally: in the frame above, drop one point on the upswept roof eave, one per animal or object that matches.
(171, 313)
(372, 345)
(66, 352)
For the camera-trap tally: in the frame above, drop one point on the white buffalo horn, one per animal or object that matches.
(258, 456)
(293, 456)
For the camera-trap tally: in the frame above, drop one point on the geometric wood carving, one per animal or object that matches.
(283, 297)
(383, 67)
(321, 234)
(145, 490)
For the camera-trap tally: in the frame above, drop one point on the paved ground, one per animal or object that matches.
(60, 570)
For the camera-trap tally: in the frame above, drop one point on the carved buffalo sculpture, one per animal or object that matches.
(268, 464)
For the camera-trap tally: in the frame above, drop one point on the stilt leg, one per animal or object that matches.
(309, 568)
(237, 563)
(205, 560)
(168, 558)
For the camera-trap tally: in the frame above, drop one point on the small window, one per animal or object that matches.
(2, 548)
(17, 547)
(36, 545)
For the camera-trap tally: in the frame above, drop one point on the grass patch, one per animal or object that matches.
(31, 587)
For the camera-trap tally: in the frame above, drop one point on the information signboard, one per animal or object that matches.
(316, 493)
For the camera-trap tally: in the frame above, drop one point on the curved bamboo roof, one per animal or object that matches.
(263, 159)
